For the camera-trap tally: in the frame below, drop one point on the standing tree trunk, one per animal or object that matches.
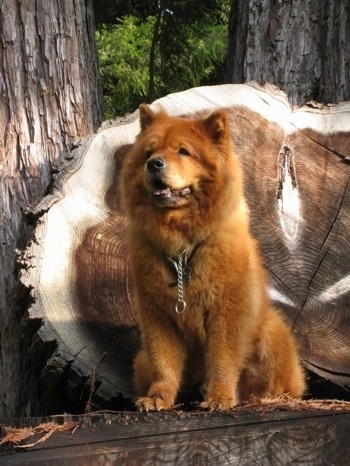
(50, 98)
(303, 47)
(152, 56)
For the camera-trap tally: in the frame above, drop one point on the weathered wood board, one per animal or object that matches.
(297, 172)
(274, 439)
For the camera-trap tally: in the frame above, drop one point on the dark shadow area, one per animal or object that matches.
(320, 388)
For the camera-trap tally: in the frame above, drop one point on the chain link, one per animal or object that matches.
(180, 305)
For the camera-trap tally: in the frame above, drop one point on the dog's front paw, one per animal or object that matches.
(153, 403)
(223, 403)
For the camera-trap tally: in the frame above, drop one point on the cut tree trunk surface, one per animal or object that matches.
(297, 172)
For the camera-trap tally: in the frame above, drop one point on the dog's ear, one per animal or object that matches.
(216, 125)
(147, 116)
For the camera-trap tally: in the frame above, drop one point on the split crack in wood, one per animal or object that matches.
(337, 213)
(287, 195)
(324, 146)
(345, 280)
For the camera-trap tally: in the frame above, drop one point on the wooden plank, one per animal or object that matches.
(277, 438)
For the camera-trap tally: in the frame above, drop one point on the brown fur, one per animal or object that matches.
(229, 340)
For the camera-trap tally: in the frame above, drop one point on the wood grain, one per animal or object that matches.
(179, 438)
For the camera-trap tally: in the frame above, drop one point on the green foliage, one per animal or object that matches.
(124, 62)
(143, 58)
(196, 60)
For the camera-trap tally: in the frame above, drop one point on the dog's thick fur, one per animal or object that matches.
(182, 190)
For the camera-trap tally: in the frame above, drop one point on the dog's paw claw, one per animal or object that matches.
(218, 404)
(146, 404)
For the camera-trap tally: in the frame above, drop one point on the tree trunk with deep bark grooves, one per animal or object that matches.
(301, 46)
(297, 181)
(50, 99)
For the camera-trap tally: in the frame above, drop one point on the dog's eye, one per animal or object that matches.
(183, 151)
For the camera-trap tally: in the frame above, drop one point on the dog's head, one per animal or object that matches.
(181, 170)
(180, 161)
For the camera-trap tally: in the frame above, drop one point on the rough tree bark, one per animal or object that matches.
(301, 46)
(298, 187)
(50, 98)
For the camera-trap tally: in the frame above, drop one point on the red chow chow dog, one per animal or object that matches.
(205, 317)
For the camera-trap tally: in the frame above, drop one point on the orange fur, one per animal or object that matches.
(182, 190)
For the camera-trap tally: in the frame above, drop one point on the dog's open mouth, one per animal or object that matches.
(166, 195)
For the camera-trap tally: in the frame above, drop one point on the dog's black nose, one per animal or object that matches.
(155, 165)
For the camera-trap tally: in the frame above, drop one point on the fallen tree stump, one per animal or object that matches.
(297, 172)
